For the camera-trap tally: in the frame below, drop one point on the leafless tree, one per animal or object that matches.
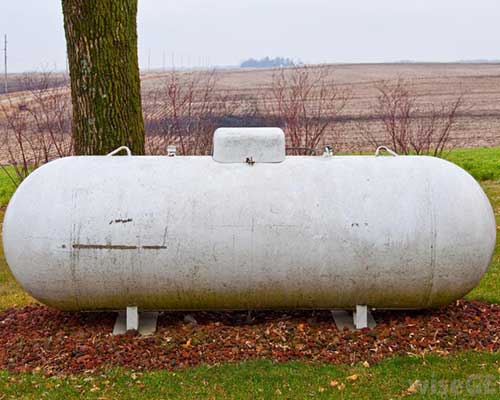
(185, 110)
(50, 110)
(409, 127)
(17, 142)
(310, 103)
(35, 125)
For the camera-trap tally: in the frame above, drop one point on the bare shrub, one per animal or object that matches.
(409, 127)
(309, 103)
(35, 125)
(185, 110)
(17, 143)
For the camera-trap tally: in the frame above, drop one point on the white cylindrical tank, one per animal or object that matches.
(189, 233)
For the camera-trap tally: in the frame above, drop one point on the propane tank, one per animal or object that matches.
(248, 228)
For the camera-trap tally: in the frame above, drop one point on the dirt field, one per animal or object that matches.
(478, 124)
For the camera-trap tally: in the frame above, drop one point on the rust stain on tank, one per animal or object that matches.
(103, 247)
(120, 221)
(78, 246)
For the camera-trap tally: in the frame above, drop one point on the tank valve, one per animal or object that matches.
(328, 151)
(171, 151)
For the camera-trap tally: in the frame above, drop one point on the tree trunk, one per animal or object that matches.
(101, 37)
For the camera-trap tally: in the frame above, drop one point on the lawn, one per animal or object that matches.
(7, 187)
(463, 375)
(483, 163)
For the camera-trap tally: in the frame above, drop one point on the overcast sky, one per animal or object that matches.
(225, 32)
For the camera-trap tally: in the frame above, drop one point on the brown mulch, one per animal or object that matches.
(37, 338)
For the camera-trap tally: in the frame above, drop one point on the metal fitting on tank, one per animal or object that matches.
(171, 151)
(328, 151)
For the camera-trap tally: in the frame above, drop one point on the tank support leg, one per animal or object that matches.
(132, 319)
(361, 318)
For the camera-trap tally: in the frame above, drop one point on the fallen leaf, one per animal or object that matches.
(334, 383)
(352, 378)
(81, 342)
(413, 387)
(366, 364)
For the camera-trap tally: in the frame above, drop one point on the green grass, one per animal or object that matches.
(482, 163)
(7, 187)
(465, 376)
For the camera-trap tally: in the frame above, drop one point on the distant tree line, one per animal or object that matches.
(266, 62)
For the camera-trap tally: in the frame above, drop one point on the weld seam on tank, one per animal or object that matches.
(433, 233)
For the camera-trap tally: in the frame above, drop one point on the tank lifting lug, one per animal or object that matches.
(171, 151)
(133, 320)
(328, 151)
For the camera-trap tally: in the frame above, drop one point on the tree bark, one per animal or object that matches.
(101, 37)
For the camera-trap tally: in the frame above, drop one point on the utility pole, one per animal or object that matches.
(6, 86)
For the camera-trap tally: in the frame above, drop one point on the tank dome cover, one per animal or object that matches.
(238, 145)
